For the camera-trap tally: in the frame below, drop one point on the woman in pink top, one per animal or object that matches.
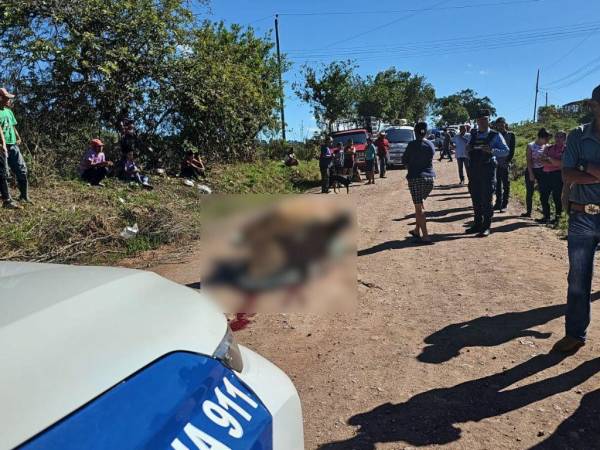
(551, 183)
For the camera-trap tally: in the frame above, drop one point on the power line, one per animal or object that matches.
(451, 42)
(432, 48)
(570, 52)
(561, 81)
(404, 11)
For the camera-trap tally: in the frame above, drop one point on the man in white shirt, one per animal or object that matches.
(461, 141)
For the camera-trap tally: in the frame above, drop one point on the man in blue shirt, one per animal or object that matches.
(581, 171)
(461, 141)
(484, 147)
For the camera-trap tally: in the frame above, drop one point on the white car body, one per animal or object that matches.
(398, 145)
(69, 334)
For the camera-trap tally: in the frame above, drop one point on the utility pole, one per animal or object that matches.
(546, 99)
(282, 94)
(537, 91)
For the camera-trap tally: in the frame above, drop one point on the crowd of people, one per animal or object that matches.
(565, 169)
(94, 166)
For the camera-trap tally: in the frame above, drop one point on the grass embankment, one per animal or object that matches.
(71, 222)
(527, 133)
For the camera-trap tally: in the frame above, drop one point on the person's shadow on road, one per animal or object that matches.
(433, 417)
(581, 430)
(489, 331)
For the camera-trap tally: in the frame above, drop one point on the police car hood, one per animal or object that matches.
(68, 334)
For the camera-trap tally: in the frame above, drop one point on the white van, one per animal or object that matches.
(399, 137)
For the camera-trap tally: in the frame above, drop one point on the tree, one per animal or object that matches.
(80, 66)
(331, 91)
(455, 105)
(223, 91)
(452, 113)
(392, 95)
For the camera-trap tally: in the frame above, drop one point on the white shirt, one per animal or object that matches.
(461, 143)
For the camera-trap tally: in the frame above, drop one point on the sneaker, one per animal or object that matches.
(544, 221)
(526, 215)
(568, 345)
(26, 201)
(473, 230)
(147, 186)
(10, 205)
(485, 233)
(497, 207)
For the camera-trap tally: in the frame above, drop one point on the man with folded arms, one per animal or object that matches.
(581, 170)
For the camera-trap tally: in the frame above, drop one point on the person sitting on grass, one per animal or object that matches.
(290, 159)
(192, 167)
(94, 167)
(131, 172)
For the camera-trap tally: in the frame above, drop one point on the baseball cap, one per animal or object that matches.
(5, 93)
(483, 113)
(596, 94)
(96, 143)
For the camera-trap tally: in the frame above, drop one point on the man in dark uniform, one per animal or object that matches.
(325, 163)
(485, 146)
(503, 171)
(581, 171)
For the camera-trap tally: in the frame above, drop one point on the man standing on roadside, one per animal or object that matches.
(485, 146)
(503, 171)
(461, 141)
(581, 169)
(383, 150)
(11, 155)
(446, 146)
(325, 163)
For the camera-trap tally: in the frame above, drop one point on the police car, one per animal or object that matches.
(106, 358)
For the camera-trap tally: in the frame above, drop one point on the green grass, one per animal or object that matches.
(71, 222)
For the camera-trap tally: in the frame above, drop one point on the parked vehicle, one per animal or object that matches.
(399, 137)
(359, 137)
(106, 359)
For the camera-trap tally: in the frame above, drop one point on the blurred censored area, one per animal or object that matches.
(280, 253)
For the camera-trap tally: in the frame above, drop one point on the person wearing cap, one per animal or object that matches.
(581, 170)
(11, 154)
(94, 166)
(503, 170)
(383, 150)
(484, 147)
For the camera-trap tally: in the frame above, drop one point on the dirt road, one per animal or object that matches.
(449, 348)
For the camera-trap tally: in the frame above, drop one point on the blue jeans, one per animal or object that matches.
(584, 237)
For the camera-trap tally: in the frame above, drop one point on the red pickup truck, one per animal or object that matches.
(359, 136)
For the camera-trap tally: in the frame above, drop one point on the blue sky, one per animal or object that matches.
(492, 46)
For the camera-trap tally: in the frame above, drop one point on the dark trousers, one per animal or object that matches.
(551, 185)
(383, 160)
(192, 173)
(324, 177)
(445, 152)
(15, 161)
(482, 185)
(584, 237)
(502, 185)
(94, 175)
(463, 163)
(530, 186)
(4, 191)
